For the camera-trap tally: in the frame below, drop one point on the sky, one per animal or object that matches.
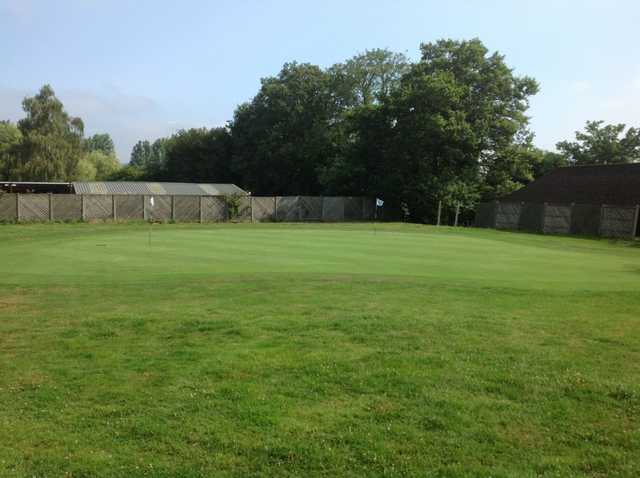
(145, 69)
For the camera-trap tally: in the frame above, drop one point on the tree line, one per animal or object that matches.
(49, 145)
(451, 127)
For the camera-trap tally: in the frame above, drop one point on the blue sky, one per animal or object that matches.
(143, 69)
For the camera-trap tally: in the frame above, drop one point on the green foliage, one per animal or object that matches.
(452, 121)
(316, 350)
(103, 166)
(150, 158)
(367, 77)
(233, 202)
(10, 140)
(48, 145)
(282, 138)
(598, 144)
(102, 143)
(127, 173)
(51, 145)
(201, 155)
(86, 169)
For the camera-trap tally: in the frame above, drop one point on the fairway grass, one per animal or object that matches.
(131, 350)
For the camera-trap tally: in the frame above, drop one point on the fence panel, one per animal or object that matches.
(34, 207)
(618, 221)
(66, 207)
(264, 208)
(585, 219)
(557, 219)
(486, 215)
(128, 208)
(8, 211)
(98, 207)
(288, 209)
(333, 209)
(187, 208)
(161, 209)
(508, 215)
(310, 208)
(214, 209)
(531, 219)
(368, 209)
(353, 209)
(244, 209)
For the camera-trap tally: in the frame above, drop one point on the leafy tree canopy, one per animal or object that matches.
(602, 144)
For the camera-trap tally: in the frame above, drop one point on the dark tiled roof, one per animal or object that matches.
(616, 184)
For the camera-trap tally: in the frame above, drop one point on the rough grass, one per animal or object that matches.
(306, 350)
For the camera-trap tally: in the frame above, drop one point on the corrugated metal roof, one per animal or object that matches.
(157, 189)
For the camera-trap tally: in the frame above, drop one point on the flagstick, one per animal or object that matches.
(151, 204)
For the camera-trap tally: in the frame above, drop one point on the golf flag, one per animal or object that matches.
(151, 201)
(379, 202)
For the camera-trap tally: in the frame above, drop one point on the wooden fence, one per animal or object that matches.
(86, 207)
(584, 219)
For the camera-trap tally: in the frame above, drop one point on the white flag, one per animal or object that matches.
(379, 202)
(151, 201)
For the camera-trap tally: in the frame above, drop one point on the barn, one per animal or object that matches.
(589, 200)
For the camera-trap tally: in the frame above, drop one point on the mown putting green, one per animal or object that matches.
(301, 350)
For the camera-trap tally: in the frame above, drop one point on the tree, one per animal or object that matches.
(365, 78)
(150, 158)
(10, 140)
(52, 140)
(599, 144)
(101, 142)
(201, 155)
(105, 164)
(450, 125)
(282, 138)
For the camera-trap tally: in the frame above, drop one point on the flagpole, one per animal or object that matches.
(151, 204)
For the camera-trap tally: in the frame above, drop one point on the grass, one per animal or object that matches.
(316, 350)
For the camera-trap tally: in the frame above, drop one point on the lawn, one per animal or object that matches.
(316, 350)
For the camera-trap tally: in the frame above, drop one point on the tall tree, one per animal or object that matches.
(52, 140)
(149, 158)
(447, 128)
(282, 138)
(603, 144)
(201, 155)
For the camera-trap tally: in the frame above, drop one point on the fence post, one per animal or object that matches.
(50, 208)
(173, 207)
(83, 212)
(636, 225)
(144, 207)
(544, 217)
(17, 207)
(251, 207)
(496, 205)
(321, 208)
(114, 208)
(455, 222)
(439, 212)
(602, 206)
(200, 208)
(275, 208)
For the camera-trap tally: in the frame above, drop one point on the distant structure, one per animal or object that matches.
(123, 188)
(587, 200)
(615, 184)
